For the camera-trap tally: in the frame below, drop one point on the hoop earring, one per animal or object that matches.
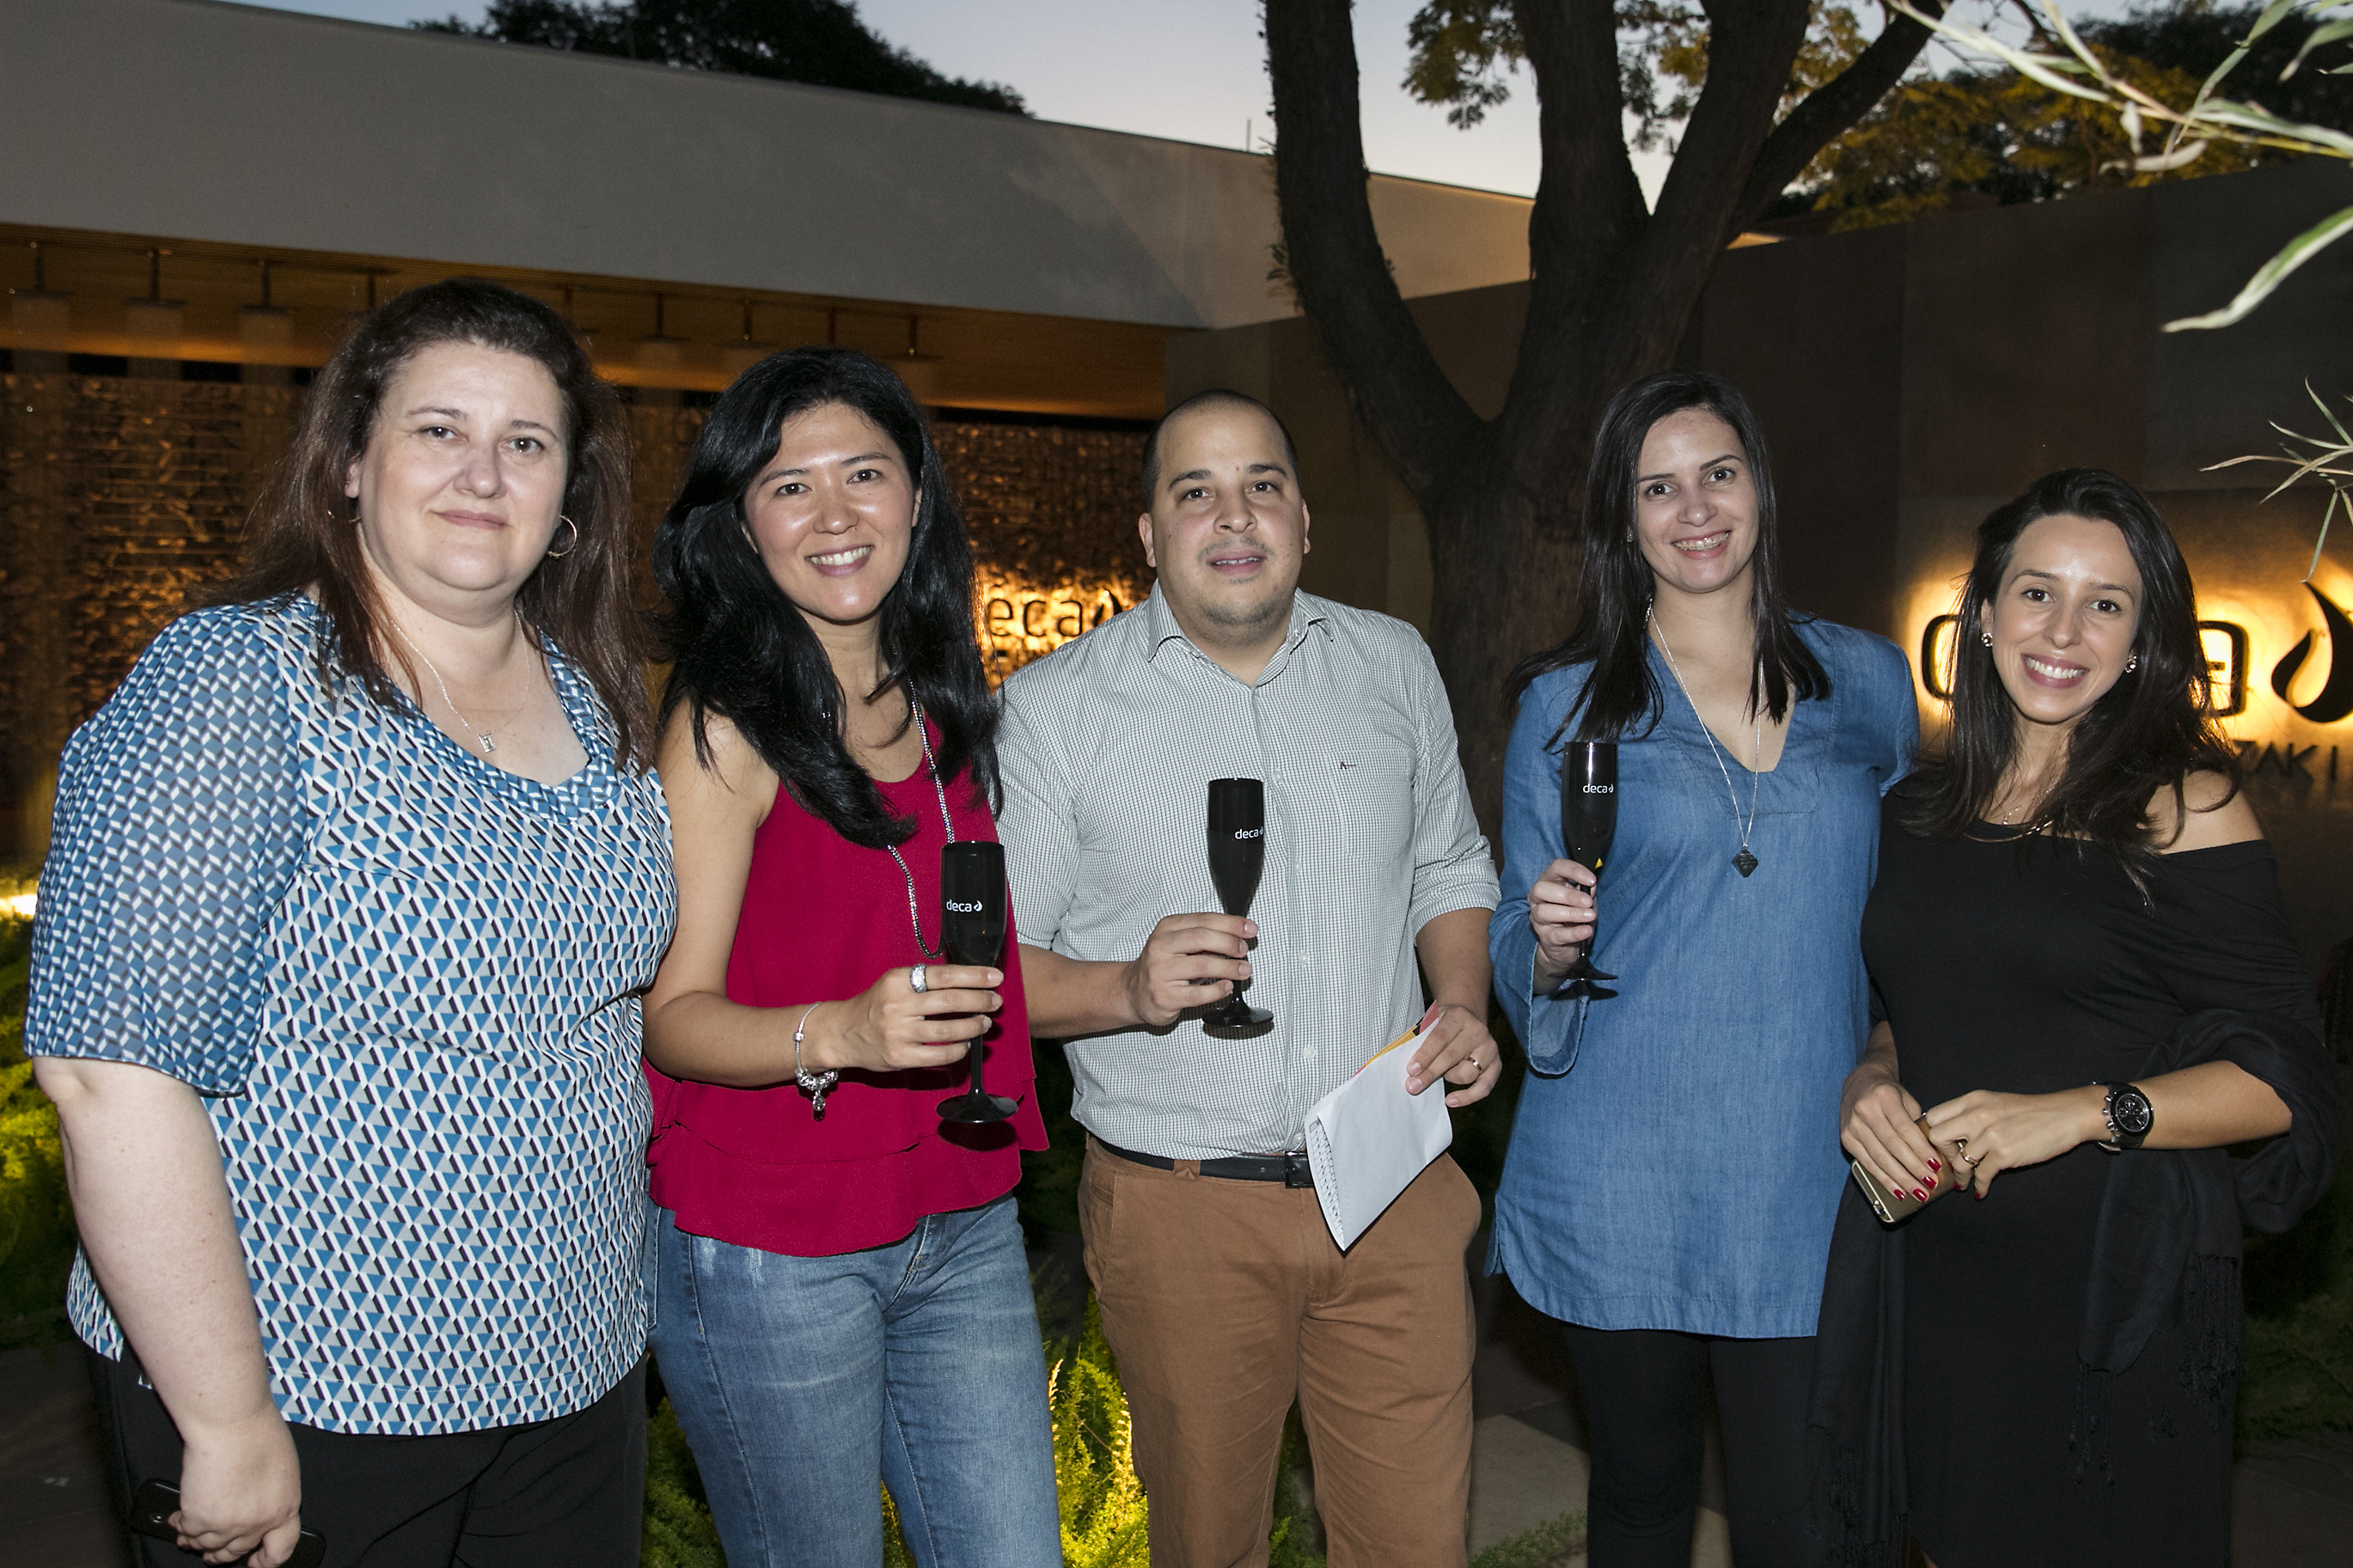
(560, 554)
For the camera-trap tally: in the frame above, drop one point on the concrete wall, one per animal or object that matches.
(244, 126)
(1910, 379)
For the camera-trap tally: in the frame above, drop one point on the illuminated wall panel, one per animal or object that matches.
(120, 498)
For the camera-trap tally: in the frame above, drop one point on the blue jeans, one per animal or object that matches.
(800, 1381)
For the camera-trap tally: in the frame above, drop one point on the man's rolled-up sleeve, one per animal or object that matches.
(1039, 822)
(1451, 868)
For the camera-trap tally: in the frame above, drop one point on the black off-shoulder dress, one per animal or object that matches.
(2033, 966)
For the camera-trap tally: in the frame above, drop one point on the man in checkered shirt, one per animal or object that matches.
(1223, 1294)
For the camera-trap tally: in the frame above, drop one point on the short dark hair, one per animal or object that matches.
(302, 537)
(1621, 697)
(1216, 396)
(740, 650)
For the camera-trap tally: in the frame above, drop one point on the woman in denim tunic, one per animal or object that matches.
(1674, 1167)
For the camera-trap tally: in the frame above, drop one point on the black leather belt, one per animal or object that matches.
(1291, 1170)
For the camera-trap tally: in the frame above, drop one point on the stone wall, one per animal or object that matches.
(120, 499)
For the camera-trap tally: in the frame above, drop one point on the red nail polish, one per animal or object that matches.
(1980, 1197)
(1935, 1166)
(1920, 1196)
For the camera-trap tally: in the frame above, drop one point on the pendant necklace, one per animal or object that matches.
(1745, 862)
(915, 714)
(482, 734)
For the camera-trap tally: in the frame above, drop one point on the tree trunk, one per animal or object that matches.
(1613, 285)
(1503, 561)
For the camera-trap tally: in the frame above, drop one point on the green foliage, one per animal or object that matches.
(2299, 1344)
(36, 1239)
(1462, 49)
(2140, 72)
(1979, 130)
(679, 1532)
(1546, 1546)
(2002, 133)
(1100, 1499)
(822, 42)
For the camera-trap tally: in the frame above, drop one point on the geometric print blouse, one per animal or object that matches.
(404, 981)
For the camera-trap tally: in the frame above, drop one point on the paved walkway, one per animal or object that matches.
(2293, 1507)
(2292, 1502)
(53, 1509)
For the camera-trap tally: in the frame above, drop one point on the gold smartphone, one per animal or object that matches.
(1890, 1206)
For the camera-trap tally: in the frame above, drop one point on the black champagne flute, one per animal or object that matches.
(972, 930)
(1237, 857)
(1588, 821)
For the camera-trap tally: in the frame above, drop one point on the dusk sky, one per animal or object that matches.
(1192, 69)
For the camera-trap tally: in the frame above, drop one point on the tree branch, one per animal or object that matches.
(1335, 254)
(1588, 202)
(1832, 109)
(1750, 50)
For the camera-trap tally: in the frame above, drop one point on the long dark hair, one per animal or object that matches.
(740, 650)
(2152, 729)
(1614, 585)
(302, 538)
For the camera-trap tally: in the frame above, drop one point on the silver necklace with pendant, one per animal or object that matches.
(915, 714)
(1744, 862)
(482, 734)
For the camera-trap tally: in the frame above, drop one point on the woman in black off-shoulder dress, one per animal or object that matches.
(2037, 1367)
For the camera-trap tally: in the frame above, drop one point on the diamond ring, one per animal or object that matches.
(915, 979)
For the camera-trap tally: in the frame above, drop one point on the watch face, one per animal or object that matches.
(2133, 1112)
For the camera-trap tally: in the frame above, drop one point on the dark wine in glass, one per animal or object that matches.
(972, 930)
(1237, 857)
(1588, 821)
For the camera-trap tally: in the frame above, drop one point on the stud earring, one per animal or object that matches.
(1989, 638)
(2132, 664)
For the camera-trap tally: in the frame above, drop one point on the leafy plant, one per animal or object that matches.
(2064, 63)
(1101, 1500)
(2298, 1372)
(1546, 1546)
(36, 1240)
(679, 1531)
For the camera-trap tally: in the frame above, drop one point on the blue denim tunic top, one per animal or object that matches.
(1675, 1160)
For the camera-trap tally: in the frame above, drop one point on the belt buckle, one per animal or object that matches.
(1297, 1172)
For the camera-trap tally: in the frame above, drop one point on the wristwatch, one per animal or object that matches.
(2130, 1116)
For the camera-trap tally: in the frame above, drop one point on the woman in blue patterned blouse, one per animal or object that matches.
(351, 889)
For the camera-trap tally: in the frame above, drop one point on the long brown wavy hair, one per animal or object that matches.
(2148, 732)
(302, 536)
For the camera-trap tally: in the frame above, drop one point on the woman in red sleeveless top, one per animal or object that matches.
(842, 1294)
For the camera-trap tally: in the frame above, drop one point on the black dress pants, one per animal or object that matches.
(1645, 1397)
(568, 1491)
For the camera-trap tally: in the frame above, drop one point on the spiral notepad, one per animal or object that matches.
(1368, 1139)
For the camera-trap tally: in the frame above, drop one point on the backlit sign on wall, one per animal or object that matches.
(2226, 661)
(2280, 659)
(1019, 622)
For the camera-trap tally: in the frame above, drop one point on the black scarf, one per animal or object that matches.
(2168, 1239)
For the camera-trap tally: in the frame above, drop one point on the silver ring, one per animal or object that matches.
(915, 979)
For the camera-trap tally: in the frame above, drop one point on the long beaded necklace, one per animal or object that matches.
(1745, 862)
(915, 712)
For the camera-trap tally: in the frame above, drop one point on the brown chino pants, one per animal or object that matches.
(1224, 1299)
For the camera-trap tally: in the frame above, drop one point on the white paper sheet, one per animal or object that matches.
(1368, 1139)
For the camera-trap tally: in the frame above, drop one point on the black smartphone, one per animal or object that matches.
(157, 1502)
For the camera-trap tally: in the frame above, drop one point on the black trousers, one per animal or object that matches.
(1645, 1398)
(568, 1491)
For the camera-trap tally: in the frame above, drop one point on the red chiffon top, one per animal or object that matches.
(822, 918)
